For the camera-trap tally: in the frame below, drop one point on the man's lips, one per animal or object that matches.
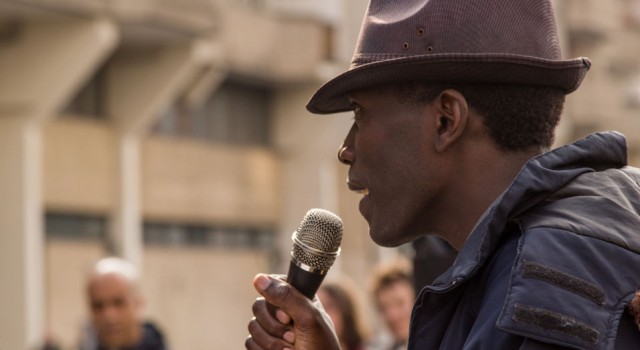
(356, 187)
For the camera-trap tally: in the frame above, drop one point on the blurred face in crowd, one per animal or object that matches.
(395, 303)
(115, 307)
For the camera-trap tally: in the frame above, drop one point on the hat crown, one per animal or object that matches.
(393, 29)
(511, 42)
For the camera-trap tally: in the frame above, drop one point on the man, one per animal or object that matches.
(455, 103)
(393, 292)
(116, 306)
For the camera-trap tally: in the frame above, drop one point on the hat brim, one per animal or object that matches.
(449, 68)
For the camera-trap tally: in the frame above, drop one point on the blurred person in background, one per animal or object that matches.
(116, 310)
(393, 292)
(339, 301)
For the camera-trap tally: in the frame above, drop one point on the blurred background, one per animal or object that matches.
(173, 133)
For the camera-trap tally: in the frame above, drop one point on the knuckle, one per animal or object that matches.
(276, 330)
(252, 326)
(283, 292)
(274, 345)
(255, 308)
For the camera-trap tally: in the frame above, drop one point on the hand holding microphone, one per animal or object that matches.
(298, 323)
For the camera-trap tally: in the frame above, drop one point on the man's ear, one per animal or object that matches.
(452, 115)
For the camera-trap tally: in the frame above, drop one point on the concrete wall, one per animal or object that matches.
(609, 34)
(67, 264)
(226, 185)
(79, 164)
(201, 297)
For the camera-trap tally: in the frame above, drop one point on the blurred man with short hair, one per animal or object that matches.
(116, 307)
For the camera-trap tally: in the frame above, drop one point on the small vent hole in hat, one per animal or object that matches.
(405, 45)
(429, 49)
(420, 31)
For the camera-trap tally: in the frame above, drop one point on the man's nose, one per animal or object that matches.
(346, 154)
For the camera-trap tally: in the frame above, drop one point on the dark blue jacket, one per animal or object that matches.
(152, 339)
(552, 264)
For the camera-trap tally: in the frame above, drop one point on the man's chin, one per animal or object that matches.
(114, 342)
(386, 239)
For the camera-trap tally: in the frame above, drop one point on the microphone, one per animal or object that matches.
(316, 244)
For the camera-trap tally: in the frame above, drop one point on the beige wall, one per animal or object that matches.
(79, 166)
(191, 181)
(67, 264)
(608, 32)
(201, 297)
(182, 180)
(281, 49)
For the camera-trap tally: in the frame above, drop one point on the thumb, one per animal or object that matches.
(282, 295)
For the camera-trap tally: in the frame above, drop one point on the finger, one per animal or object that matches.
(283, 317)
(289, 300)
(312, 330)
(250, 344)
(260, 339)
(266, 319)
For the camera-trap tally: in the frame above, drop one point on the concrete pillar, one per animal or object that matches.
(140, 84)
(21, 296)
(41, 69)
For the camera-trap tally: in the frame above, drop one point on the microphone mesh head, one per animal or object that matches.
(317, 241)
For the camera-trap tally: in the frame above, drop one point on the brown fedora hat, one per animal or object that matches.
(454, 41)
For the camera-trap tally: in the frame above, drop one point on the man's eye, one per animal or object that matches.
(97, 306)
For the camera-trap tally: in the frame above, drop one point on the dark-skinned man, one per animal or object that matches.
(455, 103)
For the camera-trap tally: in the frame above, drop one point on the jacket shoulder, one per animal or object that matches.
(569, 289)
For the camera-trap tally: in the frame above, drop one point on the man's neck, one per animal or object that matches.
(481, 183)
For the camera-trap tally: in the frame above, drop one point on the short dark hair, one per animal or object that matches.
(517, 116)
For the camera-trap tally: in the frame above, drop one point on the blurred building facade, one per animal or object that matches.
(173, 133)
(609, 98)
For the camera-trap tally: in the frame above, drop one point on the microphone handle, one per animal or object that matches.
(304, 281)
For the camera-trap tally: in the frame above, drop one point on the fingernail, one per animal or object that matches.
(262, 282)
(289, 337)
